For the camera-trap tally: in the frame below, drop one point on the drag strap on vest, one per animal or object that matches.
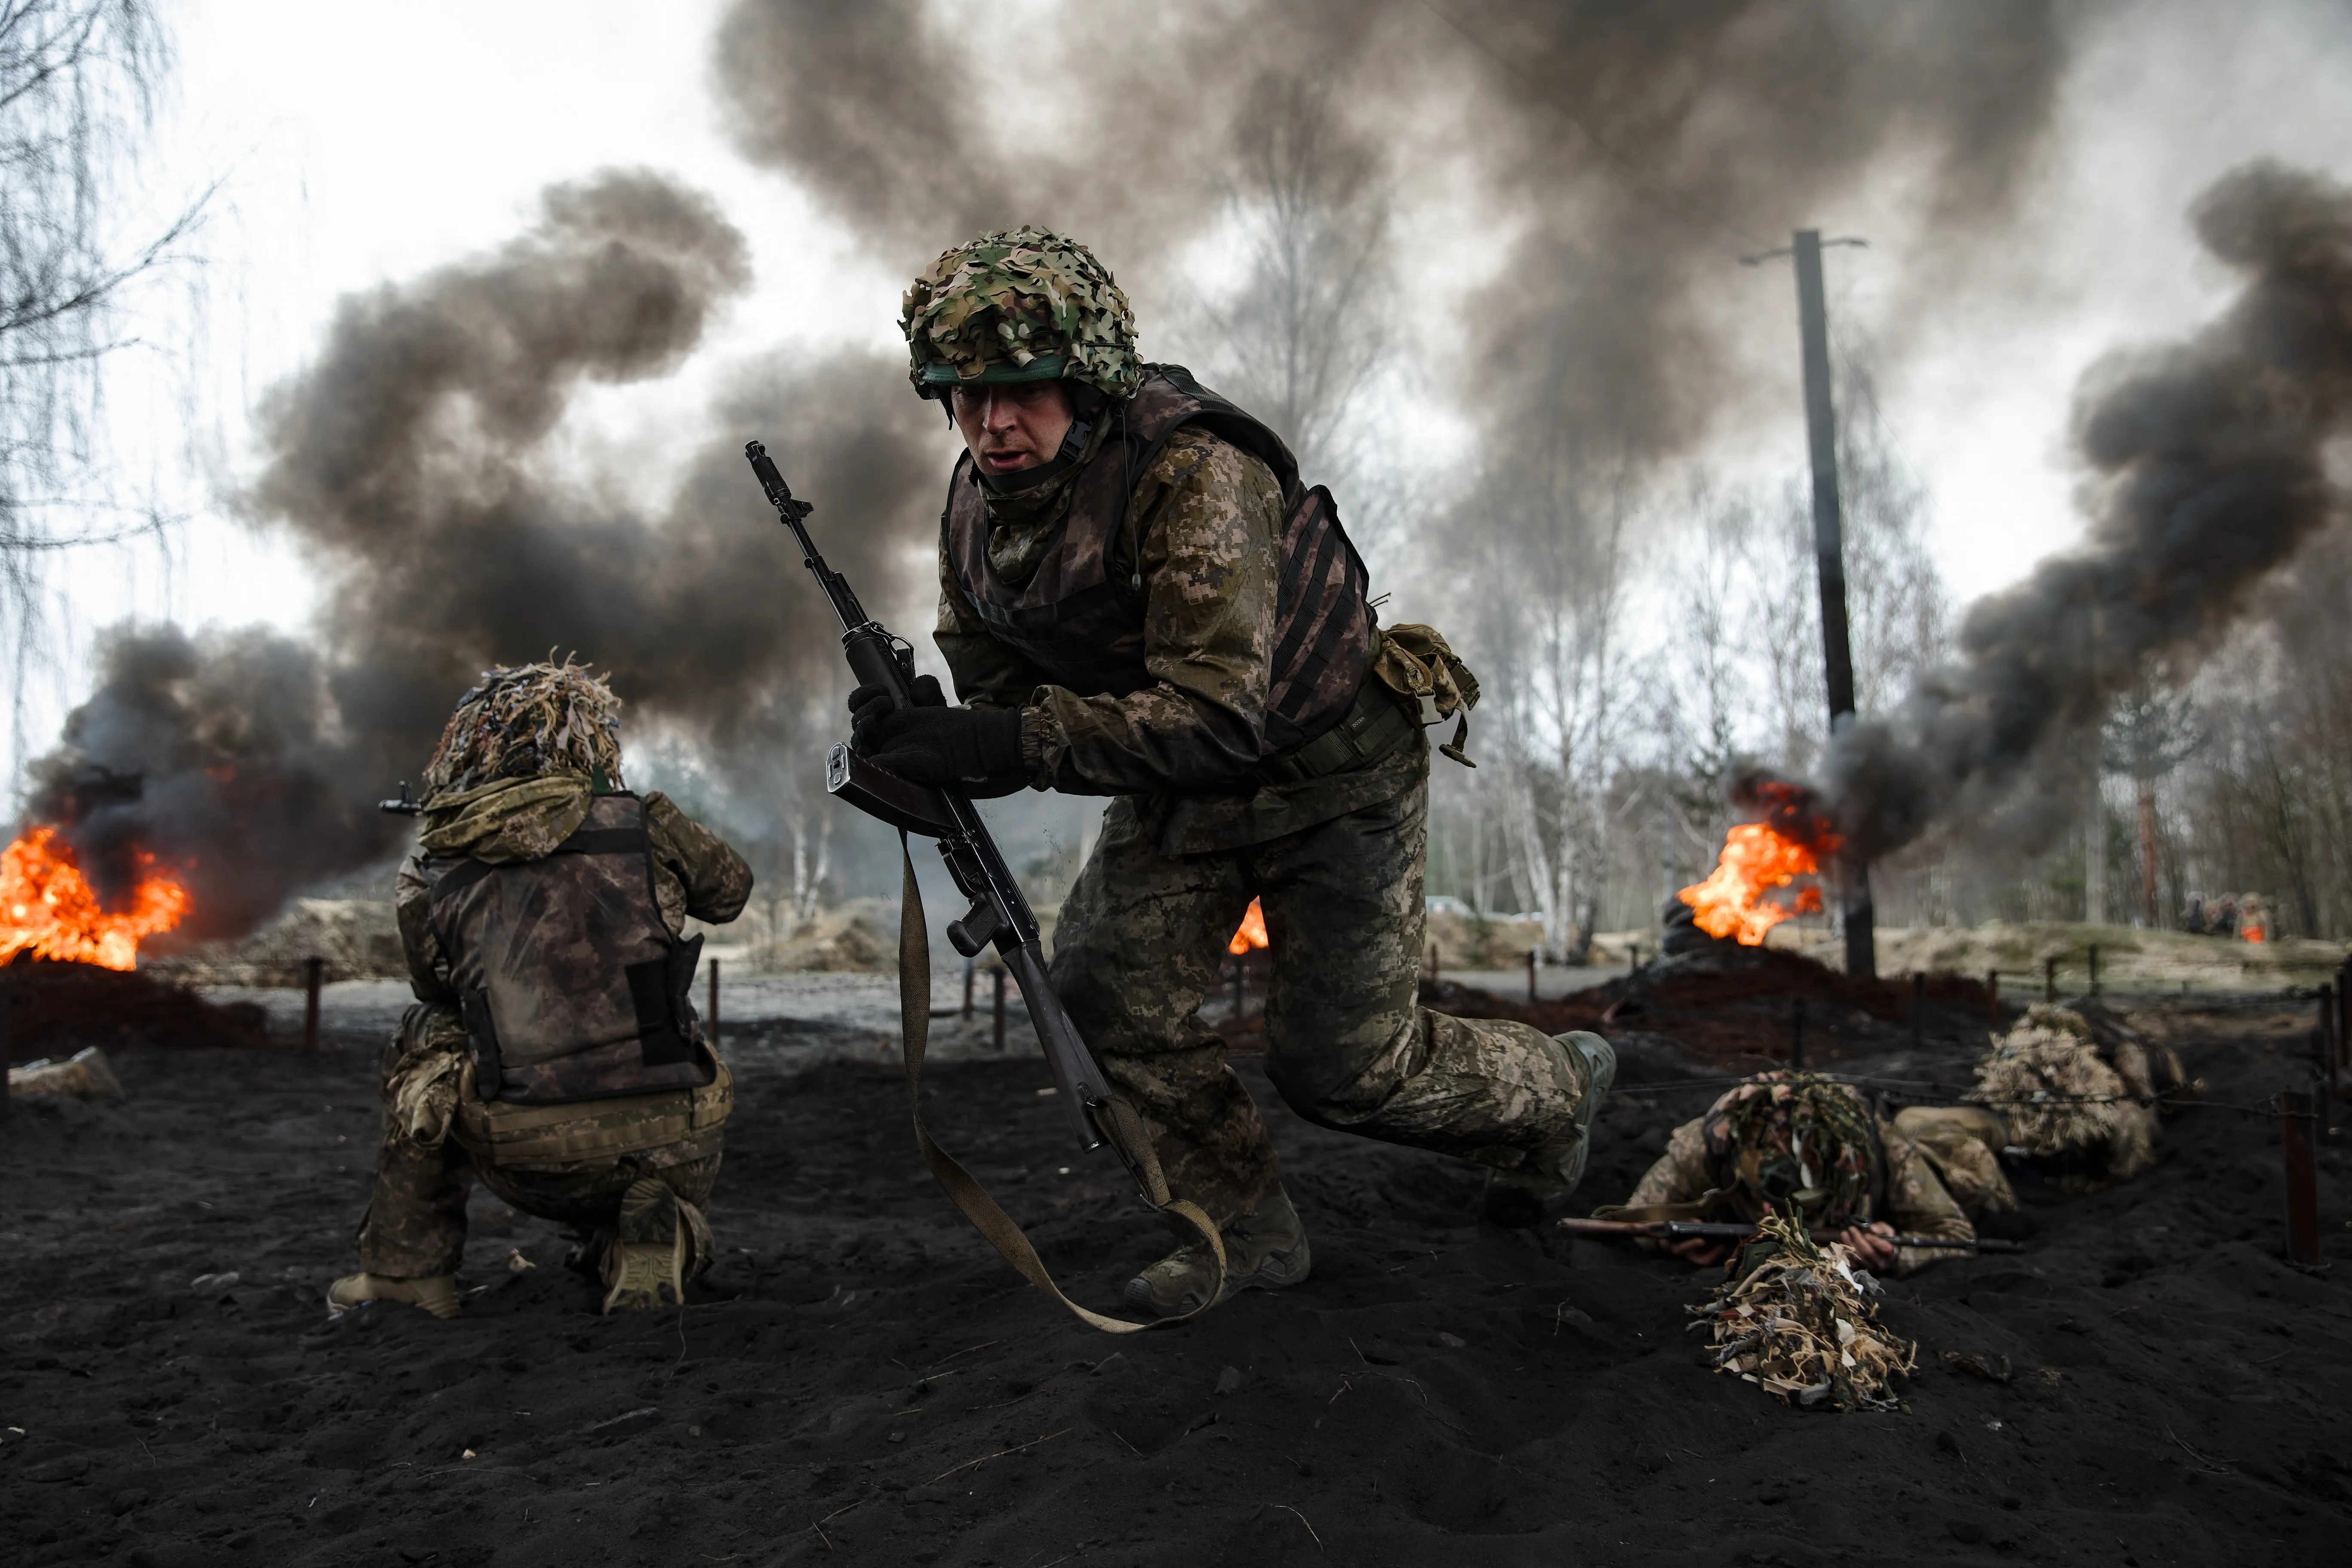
(1120, 1124)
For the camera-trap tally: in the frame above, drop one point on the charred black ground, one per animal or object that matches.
(861, 1381)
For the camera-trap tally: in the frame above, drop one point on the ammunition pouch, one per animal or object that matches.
(553, 1136)
(1373, 726)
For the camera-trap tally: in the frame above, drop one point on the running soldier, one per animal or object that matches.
(553, 1049)
(1139, 599)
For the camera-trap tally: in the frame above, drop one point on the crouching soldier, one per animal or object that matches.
(1139, 598)
(553, 1050)
(1808, 1148)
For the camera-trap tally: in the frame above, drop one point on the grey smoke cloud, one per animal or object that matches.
(2205, 469)
(1628, 153)
(1631, 153)
(413, 460)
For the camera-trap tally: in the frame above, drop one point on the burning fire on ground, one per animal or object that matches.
(49, 910)
(1252, 933)
(1759, 859)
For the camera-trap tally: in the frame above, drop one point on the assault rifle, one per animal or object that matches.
(1000, 915)
(1709, 1230)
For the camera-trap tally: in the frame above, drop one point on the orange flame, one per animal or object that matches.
(1251, 933)
(47, 910)
(1755, 861)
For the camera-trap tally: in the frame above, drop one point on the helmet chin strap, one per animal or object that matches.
(1073, 447)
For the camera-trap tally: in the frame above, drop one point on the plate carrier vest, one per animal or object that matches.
(572, 986)
(1072, 621)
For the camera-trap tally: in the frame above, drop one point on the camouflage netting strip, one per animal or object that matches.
(1796, 1326)
(527, 721)
(1015, 295)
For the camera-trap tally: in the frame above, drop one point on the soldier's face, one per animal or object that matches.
(1009, 429)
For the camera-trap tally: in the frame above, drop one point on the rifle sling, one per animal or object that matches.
(1118, 1122)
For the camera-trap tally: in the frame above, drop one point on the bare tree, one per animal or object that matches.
(1305, 334)
(79, 80)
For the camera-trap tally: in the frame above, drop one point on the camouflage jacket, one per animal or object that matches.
(696, 874)
(1203, 531)
(1917, 1202)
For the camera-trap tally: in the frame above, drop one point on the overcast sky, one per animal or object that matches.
(365, 145)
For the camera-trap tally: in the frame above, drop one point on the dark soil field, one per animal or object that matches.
(861, 1381)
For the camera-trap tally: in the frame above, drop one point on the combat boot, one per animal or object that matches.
(436, 1294)
(1541, 1191)
(644, 1268)
(1265, 1249)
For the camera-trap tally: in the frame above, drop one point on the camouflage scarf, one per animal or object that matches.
(507, 820)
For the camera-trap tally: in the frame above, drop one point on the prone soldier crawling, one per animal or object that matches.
(553, 1050)
(1811, 1149)
(1139, 599)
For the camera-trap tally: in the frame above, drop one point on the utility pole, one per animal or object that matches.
(1828, 553)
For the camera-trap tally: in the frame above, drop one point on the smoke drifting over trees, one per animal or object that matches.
(2209, 469)
(1525, 215)
(413, 462)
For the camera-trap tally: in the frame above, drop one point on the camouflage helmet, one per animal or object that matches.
(1801, 1145)
(526, 721)
(1018, 305)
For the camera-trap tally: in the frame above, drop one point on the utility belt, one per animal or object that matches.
(499, 1132)
(1375, 725)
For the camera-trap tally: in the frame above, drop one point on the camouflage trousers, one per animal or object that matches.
(1139, 944)
(415, 1222)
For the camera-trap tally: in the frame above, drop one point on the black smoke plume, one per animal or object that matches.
(416, 463)
(2207, 466)
(1624, 154)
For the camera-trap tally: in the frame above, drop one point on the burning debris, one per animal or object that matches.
(1793, 1320)
(1251, 936)
(49, 910)
(1761, 859)
(1736, 900)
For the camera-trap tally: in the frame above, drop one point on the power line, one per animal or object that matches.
(1690, 205)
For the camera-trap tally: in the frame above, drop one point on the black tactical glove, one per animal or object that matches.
(974, 749)
(872, 702)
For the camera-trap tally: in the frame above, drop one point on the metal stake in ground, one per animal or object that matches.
(713, 1029)
(2323, 1036)
(998, 978)
(1533, 953)
(2296, 1119)
(316, 975)
(1992, 996)
(2050, 979)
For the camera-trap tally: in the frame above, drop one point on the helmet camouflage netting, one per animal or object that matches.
(1022, 304)
(2063, 1103)
(1801, 1143)
(527, 721)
